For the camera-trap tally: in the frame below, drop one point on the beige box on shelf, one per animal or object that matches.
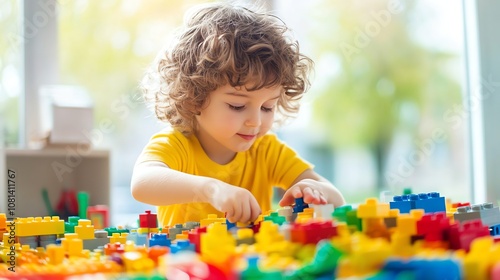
(67, 114)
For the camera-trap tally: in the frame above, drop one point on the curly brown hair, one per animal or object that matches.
(222, 44)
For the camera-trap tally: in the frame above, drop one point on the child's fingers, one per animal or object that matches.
(254, 210)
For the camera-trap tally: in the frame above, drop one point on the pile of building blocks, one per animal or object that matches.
(412, 237)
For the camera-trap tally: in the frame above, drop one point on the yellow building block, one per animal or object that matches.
(373, 209)
(118, 237)
(407, 223)
(3, 223)
(217, 245)
(212, 218)
(39, 226)
(84, 229)
(55, 254)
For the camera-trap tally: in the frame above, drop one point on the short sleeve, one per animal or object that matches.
(166, 147)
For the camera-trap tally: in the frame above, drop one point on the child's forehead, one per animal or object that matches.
(248, 91)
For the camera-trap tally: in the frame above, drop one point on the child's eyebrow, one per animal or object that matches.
(246, 95)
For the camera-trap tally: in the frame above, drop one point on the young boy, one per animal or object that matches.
(220, 85)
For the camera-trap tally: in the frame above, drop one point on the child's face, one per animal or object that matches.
(232, 119)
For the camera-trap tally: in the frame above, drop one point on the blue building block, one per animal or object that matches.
(139, 239)
(402, 202)
(495, 230)
(181, 245)
(421, 268)
(159, 239)
(299, 205)
(431, 202)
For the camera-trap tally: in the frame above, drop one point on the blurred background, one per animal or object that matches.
(385, 110)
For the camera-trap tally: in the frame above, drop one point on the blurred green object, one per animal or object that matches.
(83, 204)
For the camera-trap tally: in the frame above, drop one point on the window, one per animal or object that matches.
(10, 69)
(384, 109)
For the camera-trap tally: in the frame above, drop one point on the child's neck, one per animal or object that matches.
(215, 151)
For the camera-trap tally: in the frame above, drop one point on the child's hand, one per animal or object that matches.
(238, 203)
(313, 191)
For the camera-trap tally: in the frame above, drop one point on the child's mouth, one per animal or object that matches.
(246, 137)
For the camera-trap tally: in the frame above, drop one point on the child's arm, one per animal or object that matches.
(314, 189)
(153, 182)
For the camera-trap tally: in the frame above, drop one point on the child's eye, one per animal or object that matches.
(266, 109)
(236, 108)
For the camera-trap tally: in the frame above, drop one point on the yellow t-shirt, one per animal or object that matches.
(269, 162)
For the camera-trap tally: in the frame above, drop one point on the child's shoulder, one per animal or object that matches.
(170, 135)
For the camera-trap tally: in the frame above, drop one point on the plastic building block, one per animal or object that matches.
(275, 218)
(462, 235)
(148, 220)
(495, 230)
(84, 229)
(433, 226)
(486, 212)
(325, 260)
(100, 239)
(119, 237)
(173, 231)
(55, 254)
(99, 215)
(322, 211)
(212, 218)
(254, 272)
(117, 248)
(181, 245)
(407, 223)
(245, 236)
(69, 226)
(39, 226)
(391, 221)
(73, 246)
(402, 203)
(431, 202)
(191, 225)
(373, 209)
(3, 223)
(112, 230)
(313, 232)
(286, 212)
(217, 245)
(299, 205)
(159, 240)
(432, 269)
(194, 236)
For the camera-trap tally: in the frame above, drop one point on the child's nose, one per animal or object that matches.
(253, 120)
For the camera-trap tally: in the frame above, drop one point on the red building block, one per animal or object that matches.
(312, 232)
(148, 220)
(462, 235)
(194, 237)
(99, 215)
(433, 226)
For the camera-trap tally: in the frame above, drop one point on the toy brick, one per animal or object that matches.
(275, 218)
(212, 218)
(286, 212)
(402, 203)
(181, 245)
(118, 238)
(194, 237)
(173, 231)
(486, 212)
(100, 239)
(373, 209)
(495, 230)
(84, 229)
(299, 205)
(313, 232)
(148, 220)
(140, 239)
(159, 240)
(433, 226)
(39, 226)
(322, 211)
(431, 202)
(462, 235)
